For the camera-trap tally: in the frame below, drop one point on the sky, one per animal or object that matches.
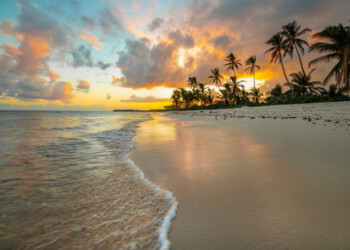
(121, 54)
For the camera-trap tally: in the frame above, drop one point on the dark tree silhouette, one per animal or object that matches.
(251, 66)
(232, 63)
(278, 49)
(291, 33)
(336, 47)
(216, 77)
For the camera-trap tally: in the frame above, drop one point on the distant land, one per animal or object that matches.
(127, 110)
(138, 110)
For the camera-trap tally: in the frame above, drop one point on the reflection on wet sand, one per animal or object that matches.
(239, 185)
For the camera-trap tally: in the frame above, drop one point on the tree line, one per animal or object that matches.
(333, 45)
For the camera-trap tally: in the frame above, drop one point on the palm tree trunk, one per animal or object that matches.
(301, 63)
(254, 77)
(284, 72)
(346, 68)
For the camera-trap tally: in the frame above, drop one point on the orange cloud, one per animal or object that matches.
(12, 50)
(117, 81)
(94, 41)
(26, 67)
(62, 91)
(83, 86)
(34, 54)
(53, 75)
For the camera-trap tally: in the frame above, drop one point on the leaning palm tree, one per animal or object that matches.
(216, 77)
(192, 82)
(278, 49)
(337, 47)
(251, 66)
(291, 33)
(232, 63)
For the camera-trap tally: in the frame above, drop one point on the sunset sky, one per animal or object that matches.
(104, 54)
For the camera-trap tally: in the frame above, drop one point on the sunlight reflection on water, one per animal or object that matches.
(65, 182)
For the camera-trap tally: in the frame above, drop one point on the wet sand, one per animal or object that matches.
(253, 183)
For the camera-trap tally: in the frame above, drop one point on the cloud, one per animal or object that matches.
(7, 29)
(35, 23)
(180, 39)
(94, 41)
(38, 89)
(117, 81)
(135, 98)
(88, 22)
(148, 66)
(11, 50)
(111, 20)
(24, 70)
(155, 24)
(83, 86)
(62, 91)
(103, 65)
(222, 41)
(53, 75)
(82, 57)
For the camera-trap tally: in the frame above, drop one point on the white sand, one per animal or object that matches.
(263, 183)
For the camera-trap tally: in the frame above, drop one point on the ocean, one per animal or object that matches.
(66, 183)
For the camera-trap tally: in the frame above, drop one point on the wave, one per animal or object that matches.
(81, 187)
(171, 215)
(129, 131)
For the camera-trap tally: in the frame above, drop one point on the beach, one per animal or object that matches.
(274, 177)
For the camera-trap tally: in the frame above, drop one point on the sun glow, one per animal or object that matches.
(249, 83)
(186, 56)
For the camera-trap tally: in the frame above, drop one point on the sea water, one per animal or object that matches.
(66, 182)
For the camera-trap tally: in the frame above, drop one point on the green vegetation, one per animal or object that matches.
(333, 45)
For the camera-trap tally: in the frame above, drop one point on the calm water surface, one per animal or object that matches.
(66, 182)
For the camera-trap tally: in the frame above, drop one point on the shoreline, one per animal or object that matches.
(164, 229)
(236, 178)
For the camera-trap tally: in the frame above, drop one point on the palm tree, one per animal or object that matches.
(291, 33)
(256, 95)
(187, 97)
(192, 82)
(202, 94)
(332, 91)
(196, 95)
(224, 95)
(251, 66)
(235, 90)
(210, 97)
(176, 96)
(275, 92)
(303, 85)
(337, 48)
(232, 63)
(216, 77)
(278, 49)
(244, 95)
